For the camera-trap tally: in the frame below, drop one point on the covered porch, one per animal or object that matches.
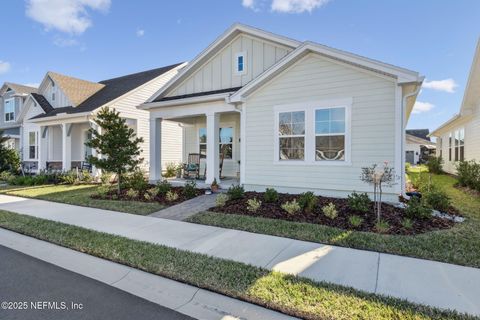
(211, 143)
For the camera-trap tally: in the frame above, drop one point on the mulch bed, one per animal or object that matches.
(390, 214)
(112, 195)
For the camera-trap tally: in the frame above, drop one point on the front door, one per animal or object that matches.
(410, 157)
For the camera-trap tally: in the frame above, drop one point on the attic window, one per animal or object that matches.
(240, 63)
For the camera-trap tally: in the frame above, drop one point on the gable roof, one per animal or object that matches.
(111, 90)
(419, 133)
(77, 90)
(417, 140)
(42, 102)
(471, 97)
(218, 44)
(18, 88)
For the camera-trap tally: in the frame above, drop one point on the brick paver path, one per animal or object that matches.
(187, 208)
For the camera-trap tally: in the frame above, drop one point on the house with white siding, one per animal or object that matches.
(12, 100)
(296, 116)
(458, 139)
(56, 119)
(418, 147)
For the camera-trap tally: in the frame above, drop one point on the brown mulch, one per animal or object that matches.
(390, 214)
(112, 195)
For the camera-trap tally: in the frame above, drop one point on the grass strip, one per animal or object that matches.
(292, 295)
(458, 245)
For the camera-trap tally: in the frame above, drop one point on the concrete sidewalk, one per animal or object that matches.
(183, 298)
(426, 282)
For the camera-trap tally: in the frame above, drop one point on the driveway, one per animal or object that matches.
(50, 288)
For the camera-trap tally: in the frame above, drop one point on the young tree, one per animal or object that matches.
(378, 177)
(117, 144)
(9, 159)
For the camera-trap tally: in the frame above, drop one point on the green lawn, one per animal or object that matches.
(459, 245)
(292, 295)
(80, 195)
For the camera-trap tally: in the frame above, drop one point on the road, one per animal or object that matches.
(57, 293)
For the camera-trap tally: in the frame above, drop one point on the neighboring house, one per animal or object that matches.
(459, 138)
(287, 114)
(12, 99)
(418, 147)
(56, 119)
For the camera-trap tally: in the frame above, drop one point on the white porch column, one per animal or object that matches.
(155, 161)
(66, 146)
(42, 148)
(213, 152)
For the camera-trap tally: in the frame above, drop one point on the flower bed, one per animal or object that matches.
(144, 196)
(393, 217)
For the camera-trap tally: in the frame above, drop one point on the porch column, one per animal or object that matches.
(213, 152)
(66, 146)
(42, 148)
(155, 161)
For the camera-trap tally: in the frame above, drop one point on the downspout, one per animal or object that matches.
(402, 148)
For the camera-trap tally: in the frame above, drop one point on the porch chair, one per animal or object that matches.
(192, 166)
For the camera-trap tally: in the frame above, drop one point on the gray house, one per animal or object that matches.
(12, 98)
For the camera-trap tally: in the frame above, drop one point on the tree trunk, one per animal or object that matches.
(119, 175)
(379, 211)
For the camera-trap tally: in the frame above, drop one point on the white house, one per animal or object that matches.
(297, 115)
(12, 99)
(418, 147)
(56, 119)
(459, 138)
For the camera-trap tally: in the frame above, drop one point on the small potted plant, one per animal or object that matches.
(214, 186)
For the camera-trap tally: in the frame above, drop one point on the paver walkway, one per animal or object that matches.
(427, 282)
(187, 208)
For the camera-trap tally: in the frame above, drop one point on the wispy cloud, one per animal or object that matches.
(4, 67)
(69, 16)
(65, 42)
(140, 33)
(447, 85)
(421, 107)
(286, 6)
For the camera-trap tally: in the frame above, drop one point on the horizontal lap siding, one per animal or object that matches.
(312, 79)
(472, 138)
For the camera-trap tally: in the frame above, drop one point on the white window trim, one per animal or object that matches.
(5, 111)
(309, 108)
(37, 142)
(244, 55)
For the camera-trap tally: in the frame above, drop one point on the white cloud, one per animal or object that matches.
(62, 42)
(248, 3)
(140, 32)
(421, 107)
(70, 16)
(4, 67)
(296, 6)
(447, 85)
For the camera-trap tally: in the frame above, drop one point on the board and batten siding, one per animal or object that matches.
(315, 78)
(219, 72)
(61, 100)
(172, 134)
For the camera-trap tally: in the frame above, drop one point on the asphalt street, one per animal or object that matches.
(37, 290)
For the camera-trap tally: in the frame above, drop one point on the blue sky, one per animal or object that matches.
(100, 39)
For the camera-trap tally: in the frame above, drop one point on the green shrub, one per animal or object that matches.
(330, 211)
(468, 173)
(437, 199)
(291, 207)
(136, 180)
(151, 194)
(190, 189)
(270, 195)
(132, 193)
(417, 210)
(170, 170)
(171, 196)
(308, 201)
(9, 159)
(236, 192)
(106, 177)
(163, 187)
(6, 176)
(408, 166)
(102, 191)
(69, 177)
(221, 200)
(86, 176)
(359, 202)
(435, 164)
(407, 223)
(382, 226)
(355, 221)
(253, 205)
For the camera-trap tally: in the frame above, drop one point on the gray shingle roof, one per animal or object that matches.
(419, 133)
(198, 94)
(113, 88)
(43, 102)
